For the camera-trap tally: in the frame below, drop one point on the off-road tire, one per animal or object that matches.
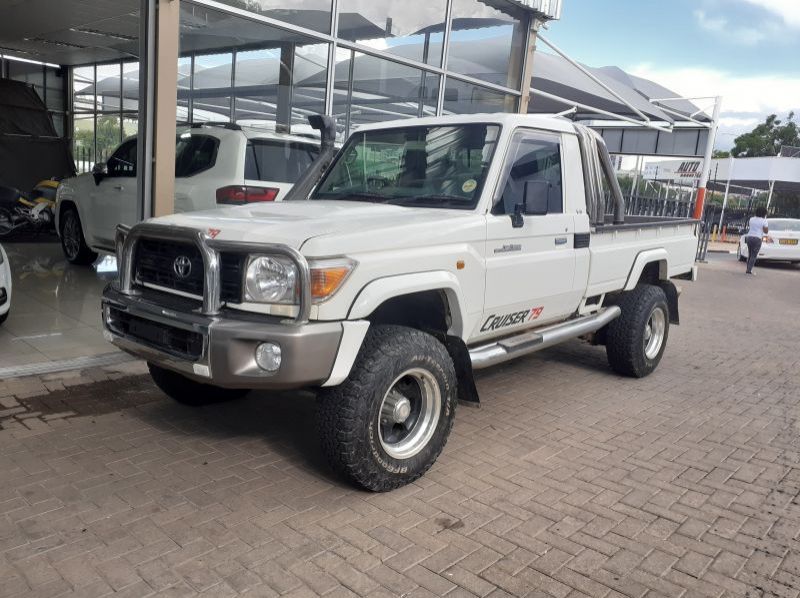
(189, 392)
(84, 256)
(625, 336)
(348, 414)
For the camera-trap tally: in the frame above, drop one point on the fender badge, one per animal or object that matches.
(213, 232)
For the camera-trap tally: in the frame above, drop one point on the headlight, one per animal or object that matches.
(271, 279)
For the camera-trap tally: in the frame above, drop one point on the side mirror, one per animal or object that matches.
(537, 197)
(99, 170)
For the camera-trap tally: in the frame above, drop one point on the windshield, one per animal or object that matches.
(434, 166)
(784, 225)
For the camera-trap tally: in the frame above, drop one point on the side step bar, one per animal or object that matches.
(508, 348)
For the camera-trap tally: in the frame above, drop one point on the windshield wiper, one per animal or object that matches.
(373, 197)
(434, 200)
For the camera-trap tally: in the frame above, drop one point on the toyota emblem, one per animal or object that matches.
(182, 266)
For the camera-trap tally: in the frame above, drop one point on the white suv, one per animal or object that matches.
(214, 165)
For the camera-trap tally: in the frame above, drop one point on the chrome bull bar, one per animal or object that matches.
(127, 237)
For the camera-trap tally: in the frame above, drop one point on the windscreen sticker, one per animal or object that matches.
(213, 232)
(495, 322)
(469, 186)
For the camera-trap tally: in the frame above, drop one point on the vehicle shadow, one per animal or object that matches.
(778, 266)
(276, 428)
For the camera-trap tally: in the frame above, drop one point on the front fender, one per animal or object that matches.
(381, 290)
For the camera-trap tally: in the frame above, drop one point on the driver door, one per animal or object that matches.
(530, 267)
(114, 196)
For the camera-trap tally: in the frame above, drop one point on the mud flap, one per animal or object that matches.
(467, 391)
(672, 300)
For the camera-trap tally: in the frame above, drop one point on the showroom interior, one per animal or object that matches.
(104, 71)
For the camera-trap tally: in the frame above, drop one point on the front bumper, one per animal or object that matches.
(219, 349)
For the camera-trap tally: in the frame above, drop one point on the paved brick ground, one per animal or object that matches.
(568, 482)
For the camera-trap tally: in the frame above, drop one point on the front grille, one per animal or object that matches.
(178, 342)
(232, 267)
(155, 263)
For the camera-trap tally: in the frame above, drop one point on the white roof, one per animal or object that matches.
(552, 123)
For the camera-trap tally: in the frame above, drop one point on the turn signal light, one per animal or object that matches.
(238, 194)
(325, 281)
(768, 239)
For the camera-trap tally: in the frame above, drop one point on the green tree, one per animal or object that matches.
(721, 154)
(108, 138)
(767, 138)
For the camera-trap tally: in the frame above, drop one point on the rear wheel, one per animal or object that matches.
(4, 317)
(739, 253)
(73, 243)
(386, 425)
(637, 338)
(190, 392)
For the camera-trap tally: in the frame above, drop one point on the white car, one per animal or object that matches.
(5, 285)
(781, 243)
(214, 165)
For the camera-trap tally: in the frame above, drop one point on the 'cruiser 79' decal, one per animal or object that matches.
(494, 322)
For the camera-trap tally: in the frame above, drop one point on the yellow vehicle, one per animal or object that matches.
(32, 211)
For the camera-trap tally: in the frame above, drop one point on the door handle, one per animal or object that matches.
(119, 187)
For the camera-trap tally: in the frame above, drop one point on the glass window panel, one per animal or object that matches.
(279, 79)
(211, 96)
(311, 14)
(379, 90)
(107, 88)
(83, 142)
(130, 86)
(487, 41)
(130, 124)
(465, 98)
(83, 89)
(413, 29)
(27, 73)
(56, 93)
(58, 123)
(107, 135)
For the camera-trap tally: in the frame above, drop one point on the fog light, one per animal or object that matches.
(268, 356)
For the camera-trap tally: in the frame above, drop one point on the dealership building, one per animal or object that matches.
(108, 70)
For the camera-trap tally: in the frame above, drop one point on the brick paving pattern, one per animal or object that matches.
(568, 482)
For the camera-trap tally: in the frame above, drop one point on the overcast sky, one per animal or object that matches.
(745, 50)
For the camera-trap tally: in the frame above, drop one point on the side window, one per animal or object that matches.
(194, 154)
(532, 157)
(123, 161)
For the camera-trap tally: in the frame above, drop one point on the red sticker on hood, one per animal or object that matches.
(213, 232)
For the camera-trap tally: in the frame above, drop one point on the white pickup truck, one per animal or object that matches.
(424, 249)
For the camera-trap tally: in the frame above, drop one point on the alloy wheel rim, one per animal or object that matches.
(71, 240)
(654, 333)
(409, 413)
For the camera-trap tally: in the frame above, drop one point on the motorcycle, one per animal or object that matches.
(34, 211)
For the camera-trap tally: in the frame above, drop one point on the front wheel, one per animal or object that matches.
(73, 243)
(386, 425)
(189, 392)
(636, 340)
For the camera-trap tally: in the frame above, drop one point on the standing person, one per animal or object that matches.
(758, 227)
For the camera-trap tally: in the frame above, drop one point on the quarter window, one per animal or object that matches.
(532, 157)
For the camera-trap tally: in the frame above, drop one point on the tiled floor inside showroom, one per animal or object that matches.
(55, 307)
